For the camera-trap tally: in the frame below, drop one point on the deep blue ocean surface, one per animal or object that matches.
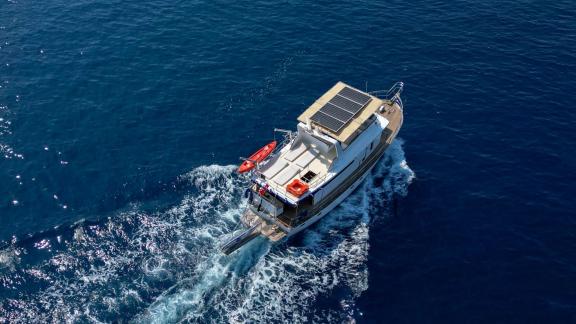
(120, 123)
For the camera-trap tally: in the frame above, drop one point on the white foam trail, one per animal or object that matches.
(167, 264)
(283, 284)
(9, 259)
(190, 297)
(106, 269)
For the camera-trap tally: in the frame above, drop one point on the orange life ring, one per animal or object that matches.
(297, 187)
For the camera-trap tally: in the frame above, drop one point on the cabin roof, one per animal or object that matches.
(351, 129)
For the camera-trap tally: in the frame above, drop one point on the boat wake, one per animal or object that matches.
(166, 267)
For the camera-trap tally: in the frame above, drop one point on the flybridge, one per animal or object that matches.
(340, 110)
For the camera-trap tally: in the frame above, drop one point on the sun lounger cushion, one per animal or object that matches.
(274, 169)
(306, 158)
(286, 175)
(295, 152)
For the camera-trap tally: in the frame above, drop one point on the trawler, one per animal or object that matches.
(337, 142)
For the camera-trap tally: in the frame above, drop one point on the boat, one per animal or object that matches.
(338, 141)
(259, 156)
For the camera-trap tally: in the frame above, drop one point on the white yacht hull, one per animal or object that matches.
(330, 206)
(339, 140)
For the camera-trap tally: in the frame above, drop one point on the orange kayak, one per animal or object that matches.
(257, 157)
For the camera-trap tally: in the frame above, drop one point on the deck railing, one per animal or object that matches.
(392, 94)
(289, 136)
(313, 184)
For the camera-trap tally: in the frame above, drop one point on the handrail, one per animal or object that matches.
(392, 94)
(288, 138)
(396, 89)
(318, 180)
(281, 189)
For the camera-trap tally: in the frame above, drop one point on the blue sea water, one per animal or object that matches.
(120, 123)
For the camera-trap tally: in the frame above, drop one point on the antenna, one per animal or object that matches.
(366, 86)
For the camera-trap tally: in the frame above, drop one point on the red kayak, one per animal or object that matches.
(257, 157)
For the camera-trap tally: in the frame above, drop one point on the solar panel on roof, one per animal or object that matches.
(346, 104)
(340, 109)
(326, 121)
(354, 95)
(336, 112)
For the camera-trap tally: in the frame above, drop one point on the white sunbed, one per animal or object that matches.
(306, 158)
(295, 152)
(286, 175)
(275, 168)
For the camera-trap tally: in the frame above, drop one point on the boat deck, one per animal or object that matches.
(271, 231)
(394, 114)
(301, 160)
